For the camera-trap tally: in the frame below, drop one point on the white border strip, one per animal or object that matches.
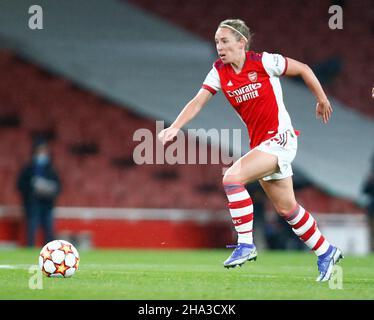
(135, 214)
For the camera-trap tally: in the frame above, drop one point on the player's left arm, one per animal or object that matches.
(297, 68)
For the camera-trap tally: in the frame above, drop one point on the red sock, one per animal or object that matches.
(241, 210)
(305, 227)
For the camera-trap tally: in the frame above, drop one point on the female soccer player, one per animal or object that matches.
(250, 82)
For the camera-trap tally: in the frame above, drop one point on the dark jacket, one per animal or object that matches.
(368, 189)
(27, 189)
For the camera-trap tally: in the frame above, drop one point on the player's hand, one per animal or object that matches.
(167, 134)
(324, 110)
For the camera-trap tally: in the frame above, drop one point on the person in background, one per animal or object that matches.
(39, 185)
(368, 189)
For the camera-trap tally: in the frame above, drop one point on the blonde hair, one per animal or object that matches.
(239, 29)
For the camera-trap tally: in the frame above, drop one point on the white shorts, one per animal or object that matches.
(284, 146)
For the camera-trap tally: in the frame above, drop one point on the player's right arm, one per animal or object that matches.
(191, 109)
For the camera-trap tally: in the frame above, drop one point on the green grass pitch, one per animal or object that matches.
(185, 275)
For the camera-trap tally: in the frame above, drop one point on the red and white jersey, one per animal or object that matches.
(255, 93)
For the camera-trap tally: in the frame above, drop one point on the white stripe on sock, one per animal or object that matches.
(239, 212)
(243, 195)
(298, 217)
(244, 227)
(245, 238)
(305, 227)
(323, 248)
(312, 241)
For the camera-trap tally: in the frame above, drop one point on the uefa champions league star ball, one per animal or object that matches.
(59, 258)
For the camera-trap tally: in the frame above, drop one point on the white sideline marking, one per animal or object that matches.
(5, 266)
(14, 266)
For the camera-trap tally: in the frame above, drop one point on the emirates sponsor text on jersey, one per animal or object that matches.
(245, 93)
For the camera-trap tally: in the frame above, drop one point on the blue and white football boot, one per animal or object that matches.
(243, 252)
(326, 263)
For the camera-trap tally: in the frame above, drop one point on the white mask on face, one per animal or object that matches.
(41, 159)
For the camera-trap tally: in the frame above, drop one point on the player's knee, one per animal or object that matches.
(231, 179)
(285, 209)
(233, 175)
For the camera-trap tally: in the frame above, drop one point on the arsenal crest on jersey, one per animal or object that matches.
(252, 76)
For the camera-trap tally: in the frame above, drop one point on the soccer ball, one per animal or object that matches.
(59, 258)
